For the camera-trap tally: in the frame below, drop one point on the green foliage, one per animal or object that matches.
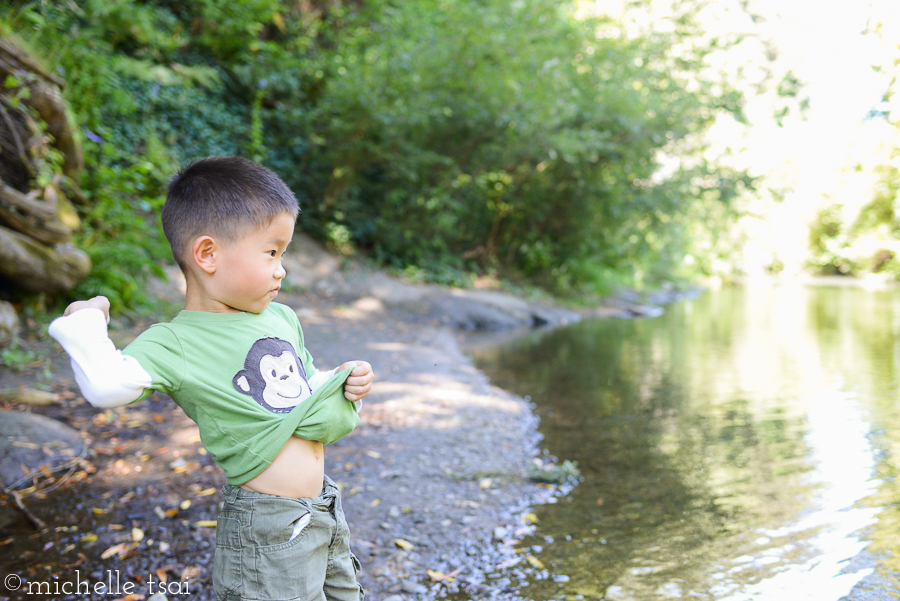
(442, 137)
(511, 135)
(827, 245)
(120, 232)
(17, 358)
(866, 243)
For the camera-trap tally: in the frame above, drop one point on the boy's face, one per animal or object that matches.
(249, 271)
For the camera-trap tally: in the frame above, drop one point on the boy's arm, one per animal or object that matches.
(107, 378)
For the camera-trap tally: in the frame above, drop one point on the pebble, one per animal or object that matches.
(414, 587)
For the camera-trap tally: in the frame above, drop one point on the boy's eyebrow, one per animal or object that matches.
(277, 240)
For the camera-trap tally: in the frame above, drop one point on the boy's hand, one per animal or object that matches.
(359, 383)
(98, 302)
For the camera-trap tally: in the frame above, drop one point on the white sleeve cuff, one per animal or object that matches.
(319, 378)
(107, 378)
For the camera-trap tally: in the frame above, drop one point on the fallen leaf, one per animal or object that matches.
(159, 512)
(530, 517)
(170, 512)
(599, 501)
(191, 572)
(206, 492)
(534, 561)
(158, 418)
(375, 502)
(403, 544)
(185, 504)
(205, 523)
(90, 537)
(98, 511)
(441, 577)
(374, 454)
(160, 573)
(120, 549)
(137, 535)
(131, 597)
(485, 483)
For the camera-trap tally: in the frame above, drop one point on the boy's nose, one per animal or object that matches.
(280, 272)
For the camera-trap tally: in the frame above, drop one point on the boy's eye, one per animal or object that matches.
(272, 253)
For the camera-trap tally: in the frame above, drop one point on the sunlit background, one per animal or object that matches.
(819, 132)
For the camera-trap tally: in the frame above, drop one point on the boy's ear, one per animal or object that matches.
(203, 252)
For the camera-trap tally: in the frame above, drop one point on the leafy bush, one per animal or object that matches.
(120, 231)
(442, 138)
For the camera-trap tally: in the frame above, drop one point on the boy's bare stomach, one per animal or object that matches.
(297, 471)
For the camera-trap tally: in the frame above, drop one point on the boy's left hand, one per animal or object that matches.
(359, 382)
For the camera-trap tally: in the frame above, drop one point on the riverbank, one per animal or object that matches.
(434, 479)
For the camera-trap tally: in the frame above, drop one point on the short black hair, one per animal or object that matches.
(225, 197)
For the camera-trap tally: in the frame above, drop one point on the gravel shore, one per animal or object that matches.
(435, 478)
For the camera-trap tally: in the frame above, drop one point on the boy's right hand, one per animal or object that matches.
(98, 302)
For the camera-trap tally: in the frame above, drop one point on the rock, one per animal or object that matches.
(9, 324)
(34, 441)
(308, 263)
(489, 310)
(415, 588)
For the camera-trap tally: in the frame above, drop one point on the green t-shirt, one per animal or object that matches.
(244, 379)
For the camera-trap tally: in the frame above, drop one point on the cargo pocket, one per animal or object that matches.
(227, 578)
(283, 552)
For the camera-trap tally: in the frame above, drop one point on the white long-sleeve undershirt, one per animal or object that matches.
(107, 377)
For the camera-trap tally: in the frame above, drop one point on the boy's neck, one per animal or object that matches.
(196, 299)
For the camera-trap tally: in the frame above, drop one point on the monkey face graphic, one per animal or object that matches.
(273, 375)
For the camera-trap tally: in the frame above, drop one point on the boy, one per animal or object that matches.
(238, 367)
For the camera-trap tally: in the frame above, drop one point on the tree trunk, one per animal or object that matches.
(36, 221)
(37, 267)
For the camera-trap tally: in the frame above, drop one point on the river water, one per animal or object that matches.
(744, 445)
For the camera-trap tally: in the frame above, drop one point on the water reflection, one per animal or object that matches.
(726, 446)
